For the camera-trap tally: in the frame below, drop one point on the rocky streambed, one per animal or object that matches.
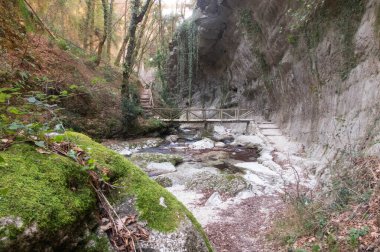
(231, 181)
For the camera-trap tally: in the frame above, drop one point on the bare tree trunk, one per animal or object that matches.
(141, 33)
(136, 18)
(143, 50)
(109, 27)
(105, 32)
(121, 51)
(160, 22)
(125, 40)
(42, 24)
(91, 25)
(87, 25)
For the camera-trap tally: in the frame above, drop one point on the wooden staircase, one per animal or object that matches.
(146, 100)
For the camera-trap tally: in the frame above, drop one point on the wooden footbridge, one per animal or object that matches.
(196, 115)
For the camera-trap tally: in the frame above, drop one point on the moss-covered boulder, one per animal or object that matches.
(42, 197)
(227, 184)
(144, 159)
(46, 201)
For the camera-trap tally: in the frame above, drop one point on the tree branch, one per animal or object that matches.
(143, 11)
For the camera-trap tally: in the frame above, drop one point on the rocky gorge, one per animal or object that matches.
(300, 172)
(230, 188)
(312, 67)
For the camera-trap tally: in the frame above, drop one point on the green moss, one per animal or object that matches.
(137, 184)
(199, 228)
(52, 192)
(10, 231)
(48, 190)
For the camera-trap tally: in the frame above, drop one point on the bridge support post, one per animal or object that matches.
(247, 127)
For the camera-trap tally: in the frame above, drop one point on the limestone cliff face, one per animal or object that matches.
(314, 68)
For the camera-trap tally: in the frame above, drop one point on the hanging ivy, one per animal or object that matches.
(187, 58)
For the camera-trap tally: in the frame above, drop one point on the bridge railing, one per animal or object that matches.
(196, 114)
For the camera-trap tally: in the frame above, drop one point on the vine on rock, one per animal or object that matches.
(187, 57)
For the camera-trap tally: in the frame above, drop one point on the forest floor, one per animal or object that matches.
(91, 100)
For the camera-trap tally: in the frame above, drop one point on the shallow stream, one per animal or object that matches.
(230, 181)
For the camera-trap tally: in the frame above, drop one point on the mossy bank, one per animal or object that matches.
(46, 200)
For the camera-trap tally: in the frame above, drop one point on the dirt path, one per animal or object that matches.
(244, 227)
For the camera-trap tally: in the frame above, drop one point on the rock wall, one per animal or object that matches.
(312, 67)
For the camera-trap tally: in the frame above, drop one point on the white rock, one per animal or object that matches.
(221, 134)
(126, 152)
(160, 168)
(220, 145)
(220, 130)
(257, 168)
(214, 200)
(162, 202)
(203, 144)
(248, 141)
(254, 179)
(14, 221)
(172, 138)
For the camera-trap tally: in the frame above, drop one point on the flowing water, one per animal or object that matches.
(233, 190)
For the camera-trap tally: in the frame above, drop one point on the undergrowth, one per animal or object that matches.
(339, 219)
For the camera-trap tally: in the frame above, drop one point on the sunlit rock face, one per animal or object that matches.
(314, 70)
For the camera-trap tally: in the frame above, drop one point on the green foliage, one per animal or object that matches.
(292, 39)
(303, 13)
(98, 81)
(345, 16)
(26, 15)
(351, 15)
(262, 61)
(315, 248)
(131, 106)
(159, 61)
(304, 217)
(62, 44)
(187, 57)
(28, 115)
(250, 25)
(332, 243)
(354, 235)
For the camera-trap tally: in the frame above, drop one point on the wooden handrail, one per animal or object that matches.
(201, 114)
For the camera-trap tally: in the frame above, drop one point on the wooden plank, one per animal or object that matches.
(203, 115)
